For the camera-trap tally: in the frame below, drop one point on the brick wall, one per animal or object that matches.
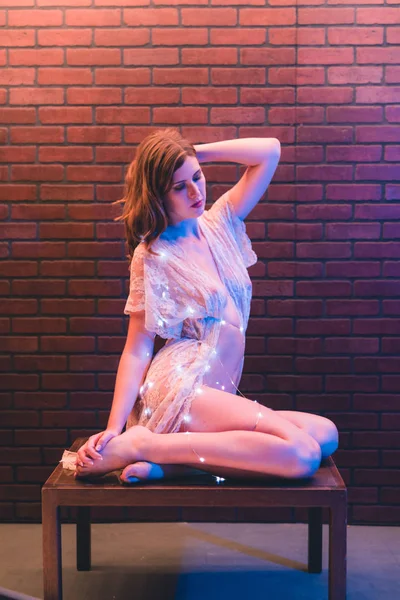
(81, 83)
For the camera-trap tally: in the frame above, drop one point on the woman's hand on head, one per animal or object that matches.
(91, 448)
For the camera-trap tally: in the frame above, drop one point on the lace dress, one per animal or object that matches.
(204, 323)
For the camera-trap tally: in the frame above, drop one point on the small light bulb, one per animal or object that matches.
(186, 418)
(150, 383)
(223, 322)
(202, 459)
(199, 390)
(223, 387)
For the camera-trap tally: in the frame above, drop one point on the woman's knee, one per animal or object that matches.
(307, 459)
(329, 438)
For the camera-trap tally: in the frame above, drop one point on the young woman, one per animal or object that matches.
(189, 284)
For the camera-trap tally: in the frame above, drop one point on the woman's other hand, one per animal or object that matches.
(91, 448)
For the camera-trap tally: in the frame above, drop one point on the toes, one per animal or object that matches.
(131, 472)
(141, 470)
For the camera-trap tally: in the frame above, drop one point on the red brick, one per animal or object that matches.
(33, 18)
(345, 231)
(71, 193)
(293, 346)
(17, 115)
(13, 418)
(294, 269)
(258, 56)
(392, 75)
(67, 343)
(354, 114)
(66, 231)
(95, 96)
(193, 37)
(353, 191)
(261, 16)
(107, 37)
(36, 57)
(65, 114)
(377, 16)
(92, 18)
(40, 363)
(31, 287)
(20, 492)
(37, 135)
(69, 419)
(39, 400)
(23, 456)
(67, 268)
(325, 16)
(16, 381)
(324, 95)
(94, 135)
(299, 308)
(65, 37)
(359, 36)
(381, 326)
(351, 345)
(18, 231)
(12, 76)
(18, 37)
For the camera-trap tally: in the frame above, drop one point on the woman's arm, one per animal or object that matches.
(261, 155)
(247, 151)
(133, 365)
(131, 374)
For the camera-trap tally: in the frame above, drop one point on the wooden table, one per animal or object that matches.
(325, 488)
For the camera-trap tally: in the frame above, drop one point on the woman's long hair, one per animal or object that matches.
(148, 179)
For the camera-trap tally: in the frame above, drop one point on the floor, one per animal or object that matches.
(193, 561)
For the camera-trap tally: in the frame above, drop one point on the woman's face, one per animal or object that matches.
(188, 186)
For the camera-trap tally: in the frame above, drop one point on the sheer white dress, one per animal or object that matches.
(203, 322)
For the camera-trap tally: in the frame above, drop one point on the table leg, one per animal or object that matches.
(83, 538)
(315, 539)
(51, 527)
(338, 550)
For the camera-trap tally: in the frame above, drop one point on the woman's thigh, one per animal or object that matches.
(215, 410)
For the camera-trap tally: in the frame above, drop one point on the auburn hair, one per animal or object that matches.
(148, 179)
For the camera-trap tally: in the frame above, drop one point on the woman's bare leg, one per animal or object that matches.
(142, 471)
(250, 451)
(215, 410)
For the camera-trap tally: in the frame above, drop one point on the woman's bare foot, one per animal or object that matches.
(142, 471)
(120, 451)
